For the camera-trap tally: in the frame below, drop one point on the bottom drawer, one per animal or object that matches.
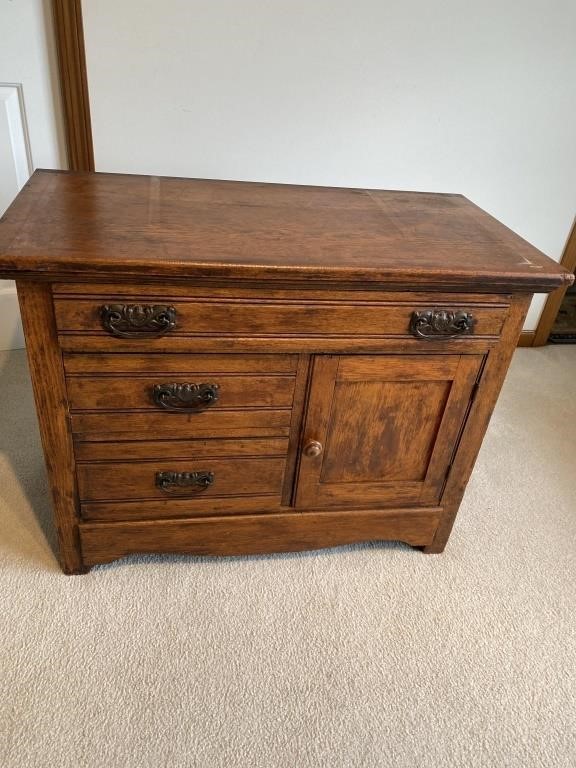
(196, 480)
(158, 509)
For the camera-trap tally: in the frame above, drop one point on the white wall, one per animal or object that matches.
(28, 56)
(439, 95)
(31, 128)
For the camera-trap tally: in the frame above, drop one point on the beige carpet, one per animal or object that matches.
(368, 656)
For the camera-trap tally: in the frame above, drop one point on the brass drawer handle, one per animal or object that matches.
(441, 324)
(138, 321)
(171, 482)
(186, 398)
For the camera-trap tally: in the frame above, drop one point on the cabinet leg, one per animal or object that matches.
(49, 385)
(442, 534)
(435, 548)
(79, 571)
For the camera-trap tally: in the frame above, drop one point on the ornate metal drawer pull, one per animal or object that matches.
(138, 321)
(185, 398)
(172, 482)
(441, 323)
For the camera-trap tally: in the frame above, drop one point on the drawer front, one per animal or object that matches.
(179, 393)
(209, 448)
(119, 396)
(148, 425)
(159, 509)
(247, 475)
(156, 323)
(196, 480)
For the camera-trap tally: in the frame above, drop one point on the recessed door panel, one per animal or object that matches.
(391, 437)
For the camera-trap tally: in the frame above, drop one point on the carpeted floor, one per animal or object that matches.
(368, 656)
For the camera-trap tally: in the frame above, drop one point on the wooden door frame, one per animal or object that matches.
(74, 86)
(550, 311)
(69, 33)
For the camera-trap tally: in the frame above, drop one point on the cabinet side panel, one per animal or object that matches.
(48, 383)
(490, 384)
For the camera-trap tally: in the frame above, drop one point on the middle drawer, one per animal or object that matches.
(179, 393)
(164, 395)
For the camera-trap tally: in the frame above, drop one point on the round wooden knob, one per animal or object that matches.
(313, 448)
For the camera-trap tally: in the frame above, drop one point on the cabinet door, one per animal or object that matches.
(381, 429)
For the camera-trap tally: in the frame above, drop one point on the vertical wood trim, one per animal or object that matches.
(48, 383)
(316, 424)
(450, 426)
(74, 83)
(552, 306)
(296, 423)
(487, 394)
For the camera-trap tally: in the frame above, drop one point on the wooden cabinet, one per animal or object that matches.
(228, 368)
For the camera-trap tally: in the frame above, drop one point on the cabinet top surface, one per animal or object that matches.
(71, 225)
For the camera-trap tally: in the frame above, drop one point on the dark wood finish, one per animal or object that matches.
(138, 393)
(132, 425)
(327, 368)
(171, 291)
(163, 509)
(135, 450)
(526, 339)
(137, 480)
(298, 408)
(382, 429)
(198, 365)
(277, 344)
(550, 311)
(47, 375)
(91, 225)
(255, 534)
(74, 84)
(243, 318)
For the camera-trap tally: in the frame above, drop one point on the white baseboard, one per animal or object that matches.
(11, 336)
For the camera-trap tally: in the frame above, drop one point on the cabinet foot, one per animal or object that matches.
(80, 571)
(434, 548)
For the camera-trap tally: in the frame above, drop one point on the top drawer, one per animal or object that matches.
(148, 316)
